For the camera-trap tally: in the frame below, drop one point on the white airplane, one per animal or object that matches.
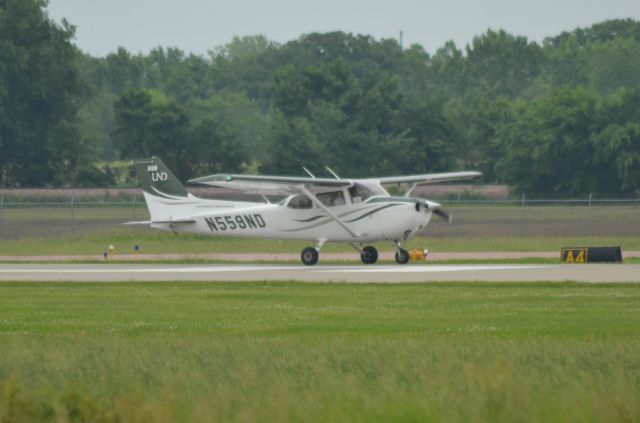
(320, 210)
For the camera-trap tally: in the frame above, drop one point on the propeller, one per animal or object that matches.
(436, 209)
(444, 215)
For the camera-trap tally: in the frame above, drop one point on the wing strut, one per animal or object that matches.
(410, 190)
(335, 175)
(310, 174)
(313, 198)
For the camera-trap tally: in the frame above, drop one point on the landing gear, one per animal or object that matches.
(309, 256)
(369, 255)
(402, 255)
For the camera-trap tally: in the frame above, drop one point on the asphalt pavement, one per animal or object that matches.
(591, 273)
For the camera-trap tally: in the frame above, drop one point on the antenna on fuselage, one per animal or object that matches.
(307, 170)
(332, 172)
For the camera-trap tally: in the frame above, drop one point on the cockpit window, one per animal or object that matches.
(331, 199)
(361, 191)
(300, 202)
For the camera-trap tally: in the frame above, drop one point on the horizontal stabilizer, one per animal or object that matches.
(165, 222)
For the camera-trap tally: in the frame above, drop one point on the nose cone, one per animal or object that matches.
(426, 205)
(431, 207)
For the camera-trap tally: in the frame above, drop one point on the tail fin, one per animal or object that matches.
(167, 199)
(156, 179)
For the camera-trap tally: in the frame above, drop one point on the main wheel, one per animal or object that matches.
(309, 256)
(402, 256)
(369, 255)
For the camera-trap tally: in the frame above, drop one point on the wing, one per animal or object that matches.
(430, 178)
(277, 185)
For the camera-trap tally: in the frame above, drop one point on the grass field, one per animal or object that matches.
(156, 242)
(89, 230)
(319, 352)
(476, 220)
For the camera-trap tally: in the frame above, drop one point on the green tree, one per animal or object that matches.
(617, 144)
(500, 64)
(602, 32)
(546, 149)
(293, 145)
(148, 123)
(40, 89)
(244, 65)
(240, 118)
(566, 63)
(295, 88)
(446, 71)
(603, 55)
(473, 124)
(216, 150)
(122, 71)
(613, 65)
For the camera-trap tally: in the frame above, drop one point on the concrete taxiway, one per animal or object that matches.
(592, 273)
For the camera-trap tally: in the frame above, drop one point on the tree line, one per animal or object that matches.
(557, 117)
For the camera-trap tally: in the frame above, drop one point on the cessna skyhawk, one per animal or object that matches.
(320, 210)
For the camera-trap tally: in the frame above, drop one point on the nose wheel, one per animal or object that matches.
(402, 255)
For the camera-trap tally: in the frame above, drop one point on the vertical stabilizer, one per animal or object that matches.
(156, 179)
(166, 198)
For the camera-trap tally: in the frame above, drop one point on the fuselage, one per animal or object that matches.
(379, 217)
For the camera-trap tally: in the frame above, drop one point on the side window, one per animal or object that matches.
(331, 199)
(300, 202)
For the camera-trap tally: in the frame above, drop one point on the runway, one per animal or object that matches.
(591, 273)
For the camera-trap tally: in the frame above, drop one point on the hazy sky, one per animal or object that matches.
(199, 25)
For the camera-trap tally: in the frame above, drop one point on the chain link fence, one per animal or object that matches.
(540, 218)
(66, 218)
(471, 218)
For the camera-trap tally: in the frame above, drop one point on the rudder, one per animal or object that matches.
(156, 179)
(167, 199)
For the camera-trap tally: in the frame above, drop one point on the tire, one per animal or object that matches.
(309, 256)
(369, 255)
(402, 256)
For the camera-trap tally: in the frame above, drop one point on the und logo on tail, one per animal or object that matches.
(156, 179)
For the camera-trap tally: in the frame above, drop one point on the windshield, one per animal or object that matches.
(362, 190)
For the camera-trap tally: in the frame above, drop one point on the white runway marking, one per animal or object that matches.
(322, 273)
(239, 268)
(154, 269)
(427, 269)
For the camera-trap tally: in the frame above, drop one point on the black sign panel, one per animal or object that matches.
(581, 255)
